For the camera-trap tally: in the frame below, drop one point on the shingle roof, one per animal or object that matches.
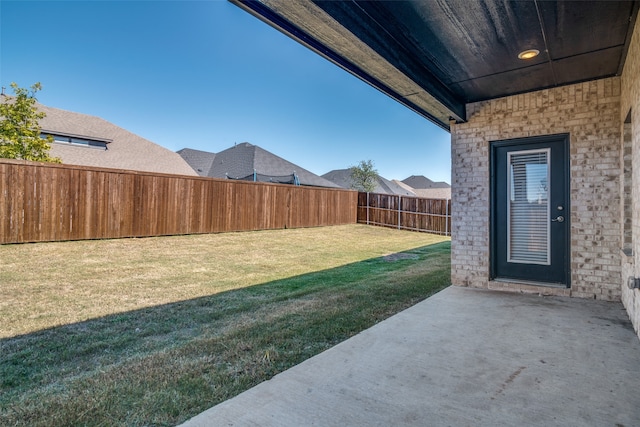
(238, 161)
(125, 150)
(403, 185)
(243, 159)
(200, 161)
(420, 181)
(342, 177)
(429, 193)
(433, 193)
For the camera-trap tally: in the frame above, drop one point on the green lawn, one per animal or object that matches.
(153, 331)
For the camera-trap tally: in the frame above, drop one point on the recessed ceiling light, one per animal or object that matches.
(528, 54)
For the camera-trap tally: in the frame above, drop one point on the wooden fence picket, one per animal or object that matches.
(43, 202)
(405, 213)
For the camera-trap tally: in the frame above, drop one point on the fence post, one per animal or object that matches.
(367, 208)
(399, 207)
(446, 218)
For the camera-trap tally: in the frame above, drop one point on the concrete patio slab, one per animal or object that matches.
(464, 357)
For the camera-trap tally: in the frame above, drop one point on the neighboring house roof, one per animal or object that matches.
(437, 190)
(242, 160)
(342, 177)
(428, 193)
(124, 150)
(421, 181)
(200, 161)
(403, 185)
(433, 193)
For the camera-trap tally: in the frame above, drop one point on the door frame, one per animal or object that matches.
(493, 203)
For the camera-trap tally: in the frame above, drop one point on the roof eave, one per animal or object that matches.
(439, 109)
(75, 135)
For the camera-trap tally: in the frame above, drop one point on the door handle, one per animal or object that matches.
(560, 218)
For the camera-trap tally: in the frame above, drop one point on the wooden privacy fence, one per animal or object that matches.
(406, 213)
(48, 202)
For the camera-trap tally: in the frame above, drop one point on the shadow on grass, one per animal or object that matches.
(162, 365)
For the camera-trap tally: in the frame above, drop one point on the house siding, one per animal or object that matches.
(630, 102)
(589, 112)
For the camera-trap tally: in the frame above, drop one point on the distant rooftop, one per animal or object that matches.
(85, 140)
(244, 160)
(342, 177)
(421, 182)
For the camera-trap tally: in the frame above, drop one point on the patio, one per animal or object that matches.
(462, 357)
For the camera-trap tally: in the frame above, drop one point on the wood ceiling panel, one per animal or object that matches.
(572, 28)
(588, 66)
(507, 83)
(459, 51)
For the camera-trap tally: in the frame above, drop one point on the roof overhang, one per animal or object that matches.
(437, 56)
(75, 135)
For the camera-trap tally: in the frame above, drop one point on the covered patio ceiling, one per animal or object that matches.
(434, 56)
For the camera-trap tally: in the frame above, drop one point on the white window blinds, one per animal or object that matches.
(528, 207)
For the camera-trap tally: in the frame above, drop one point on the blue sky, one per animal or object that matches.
(205, 75)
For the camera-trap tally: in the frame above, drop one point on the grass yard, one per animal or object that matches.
(141, 332)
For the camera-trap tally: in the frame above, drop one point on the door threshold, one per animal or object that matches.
(530, 283)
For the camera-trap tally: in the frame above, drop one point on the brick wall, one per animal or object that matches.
(590, 114)
(630, 103)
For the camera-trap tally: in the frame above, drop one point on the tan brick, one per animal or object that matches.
(589, 112)
(630, 102)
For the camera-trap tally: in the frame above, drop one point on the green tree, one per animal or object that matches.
(20, 128)
(364, 176)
